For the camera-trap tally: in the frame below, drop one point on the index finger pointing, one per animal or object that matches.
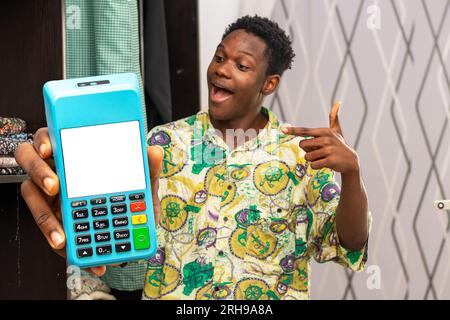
(306, 132)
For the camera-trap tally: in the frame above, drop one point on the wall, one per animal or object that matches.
(394, 82)
(214, 16)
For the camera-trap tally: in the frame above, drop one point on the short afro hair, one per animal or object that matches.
(279, 46)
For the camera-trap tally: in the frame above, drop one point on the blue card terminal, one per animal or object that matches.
(97, 132)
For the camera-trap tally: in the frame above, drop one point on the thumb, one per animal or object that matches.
(334, 118)
(155, 158)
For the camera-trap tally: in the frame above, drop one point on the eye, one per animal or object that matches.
(242, 67)
(218, 58)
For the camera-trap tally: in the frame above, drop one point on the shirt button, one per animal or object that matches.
(225, 219)
(220, 253)
(230, 187)
(216, 289)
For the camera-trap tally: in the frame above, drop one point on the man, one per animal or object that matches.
(240, 214)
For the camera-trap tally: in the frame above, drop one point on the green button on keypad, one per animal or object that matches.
(141, 238)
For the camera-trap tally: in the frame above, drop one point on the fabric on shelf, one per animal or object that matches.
(8, 162)
(11, 171)
(20, 136)
(9, 145)
(12, 125)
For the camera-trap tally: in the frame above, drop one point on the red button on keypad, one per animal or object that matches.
(137, 206)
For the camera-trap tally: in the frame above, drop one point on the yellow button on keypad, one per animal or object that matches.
(139, 219)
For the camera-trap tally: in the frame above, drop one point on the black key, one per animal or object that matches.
(99, 211)
(119, 208)
(102, 237)
(84, 253)
(104, 250)
(80, 227)
(80, 203)
(82, 240)
(101, 224)
(137, 196)
(123, 247)
(98, 201)
(121, 234)
(119, 222)
(117, 199)
(80, 214)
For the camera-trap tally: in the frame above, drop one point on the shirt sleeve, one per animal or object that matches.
(323, 194)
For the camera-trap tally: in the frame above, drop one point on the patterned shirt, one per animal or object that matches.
(241, 224)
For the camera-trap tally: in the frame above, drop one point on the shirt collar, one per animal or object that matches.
(203, 129)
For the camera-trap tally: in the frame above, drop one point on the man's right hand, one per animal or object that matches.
(41, 190)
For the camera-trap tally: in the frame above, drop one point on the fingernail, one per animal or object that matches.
(97, 270)
(42, 149)
(57, 238)
(48, 184)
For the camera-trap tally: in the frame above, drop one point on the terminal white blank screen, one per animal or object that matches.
(103, 159)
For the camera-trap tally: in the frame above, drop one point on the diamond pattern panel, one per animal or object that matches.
(395, 85)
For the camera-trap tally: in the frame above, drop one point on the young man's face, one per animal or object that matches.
(236, 76)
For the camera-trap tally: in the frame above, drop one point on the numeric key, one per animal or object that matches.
(80, 214)
(119, 208)
(81, 227)
(83, 240)
(104, 250)
(102, 237)
(99, 211)
(120, 222)
(101, 224)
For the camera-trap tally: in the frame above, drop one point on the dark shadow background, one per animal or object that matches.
(31, 54)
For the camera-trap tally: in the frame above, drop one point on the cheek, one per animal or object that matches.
(210, 70)
(208, 73)
(250, 88)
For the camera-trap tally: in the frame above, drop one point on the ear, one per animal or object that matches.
(271, 84)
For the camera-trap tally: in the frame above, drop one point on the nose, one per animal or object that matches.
(223, 70)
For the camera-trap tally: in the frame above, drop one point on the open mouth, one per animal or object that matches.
(220, 94)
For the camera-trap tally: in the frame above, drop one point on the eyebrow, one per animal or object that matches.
(240, 51)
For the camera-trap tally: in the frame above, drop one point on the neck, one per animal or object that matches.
(253, 120)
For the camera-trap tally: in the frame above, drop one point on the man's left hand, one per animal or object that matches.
(326, 147)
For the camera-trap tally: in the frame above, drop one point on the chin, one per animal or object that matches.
(220, 113)
(217, 114)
